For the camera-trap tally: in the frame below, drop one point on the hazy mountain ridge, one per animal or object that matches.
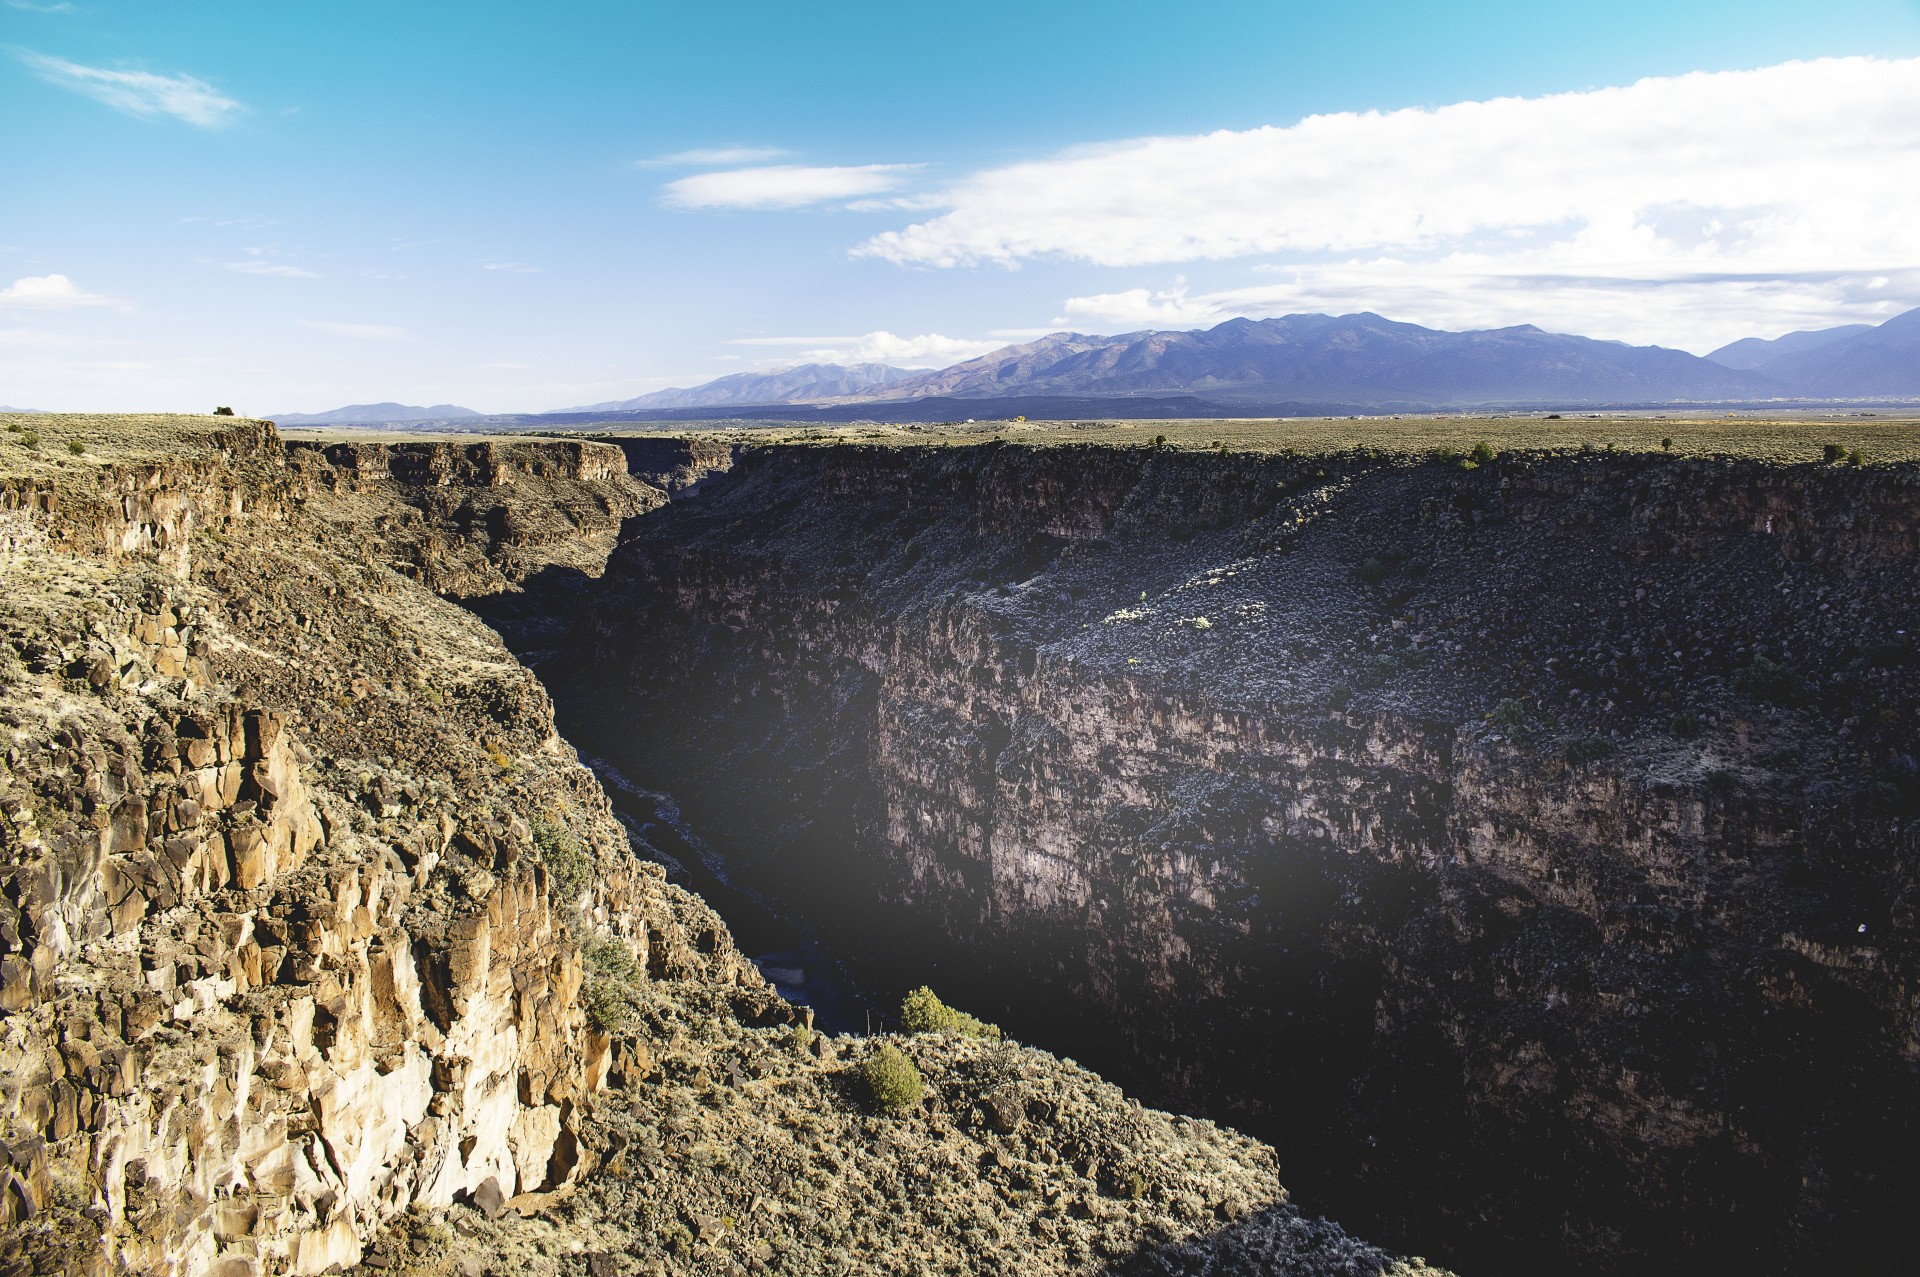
(1883, 360)
(805, 383)
(1750, 353)
(374, 414)
(1361, 358)
(1310, 364)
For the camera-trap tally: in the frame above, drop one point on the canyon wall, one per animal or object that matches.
(321, 951)
(1527, 847)
(284, 950)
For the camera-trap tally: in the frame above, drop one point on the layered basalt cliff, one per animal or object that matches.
(319, 948)
(1526, 846)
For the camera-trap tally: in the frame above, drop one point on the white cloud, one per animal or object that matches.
(39, 339)
(183, 97)
(364, 332)
(517, 268)
(1781, 192)
(48, 292)
(929, 350)
(1479, 291)
(784, 185)
(259, 261)
(279, 270)
(58, 6)
(701, 157)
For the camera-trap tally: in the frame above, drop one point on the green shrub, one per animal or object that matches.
(30, 439)
(77, 448)
(223, 411)
(610, 1005)
(1854, 458)
(1770, 681)
(1159, 441)
(1482, 453)
(1373, 571)
(1339, 696)
(1588, 749)
(569, 870)
(1833, 453)
(605, 955)
(1666, 445)
(1686, 725)
(893, 1079)
(1509, 713)
(800, 1039)
(922, 1011)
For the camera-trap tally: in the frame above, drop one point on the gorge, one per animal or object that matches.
(1523, 846)
(1519, 839)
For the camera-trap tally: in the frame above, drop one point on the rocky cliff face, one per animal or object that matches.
(478, 518)
(319, 948)
(1526, 847)
(282, 951)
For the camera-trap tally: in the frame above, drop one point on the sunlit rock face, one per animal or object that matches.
(1525, 848)
(280, 957)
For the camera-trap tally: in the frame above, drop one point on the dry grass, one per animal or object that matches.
(1787, 438)
(1780, 438)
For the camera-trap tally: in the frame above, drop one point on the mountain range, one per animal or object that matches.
(375, 414)
(806, 383)
(1848, 362)
(1360, 358)
(1302, 363)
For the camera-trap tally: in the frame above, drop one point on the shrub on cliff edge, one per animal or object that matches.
(894, 1080)
(569, 871)
(922, 1011)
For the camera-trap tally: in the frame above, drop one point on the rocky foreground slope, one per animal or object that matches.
(320, 949)
(1525, 842)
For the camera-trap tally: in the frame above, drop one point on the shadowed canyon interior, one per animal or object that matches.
(1522, 844)
(1523, 847)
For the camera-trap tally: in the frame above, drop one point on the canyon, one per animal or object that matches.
(1521, 841)
(321, 950)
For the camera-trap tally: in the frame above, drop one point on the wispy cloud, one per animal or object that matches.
(58, 6)
(278, 270)
(701, 158)
(1481, 291)
(363, 332)
(784, 185)
(260, 261)
(48, 292)
(518, 268)
(929, 350)
(1657, 204)
(143, 93)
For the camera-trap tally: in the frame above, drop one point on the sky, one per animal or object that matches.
(513, 207)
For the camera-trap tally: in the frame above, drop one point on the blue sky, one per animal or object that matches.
(289, 207)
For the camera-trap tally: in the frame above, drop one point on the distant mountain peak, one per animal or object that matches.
(802, 383)
(374, 414)
(1355, 358)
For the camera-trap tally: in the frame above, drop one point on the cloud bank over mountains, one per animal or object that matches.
(1687, 209)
